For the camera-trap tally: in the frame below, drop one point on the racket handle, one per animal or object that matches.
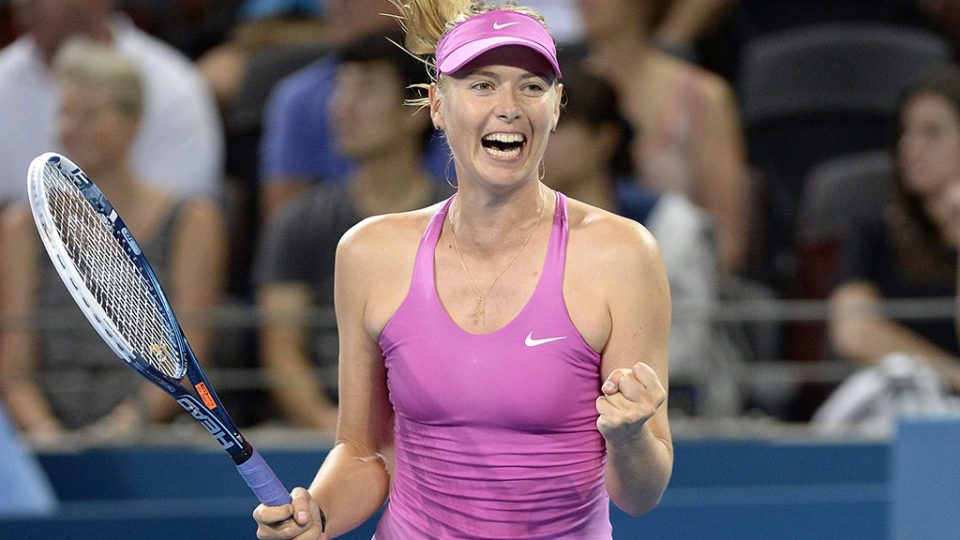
(262, 481)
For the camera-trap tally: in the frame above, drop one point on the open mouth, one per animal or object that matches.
(504, 145)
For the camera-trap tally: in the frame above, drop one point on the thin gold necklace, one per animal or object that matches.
(478, 314)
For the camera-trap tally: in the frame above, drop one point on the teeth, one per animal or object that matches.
(504, 137)
(503, 153)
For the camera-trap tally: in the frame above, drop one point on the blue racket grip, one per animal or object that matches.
(262, 481)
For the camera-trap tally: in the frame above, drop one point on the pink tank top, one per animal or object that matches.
(496, 434)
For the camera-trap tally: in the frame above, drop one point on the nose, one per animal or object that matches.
(508, 107)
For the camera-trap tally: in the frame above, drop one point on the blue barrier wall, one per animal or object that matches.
(925, 480)
(722, 489)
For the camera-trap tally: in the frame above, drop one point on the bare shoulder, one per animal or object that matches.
(613, 266)
(384, 238)
(603, 239)
(375, 261)
(380, 250)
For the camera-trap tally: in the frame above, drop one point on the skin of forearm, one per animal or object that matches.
(877, 337)
(351, 486)
(638, 471)
(29, 407)
(296, 391)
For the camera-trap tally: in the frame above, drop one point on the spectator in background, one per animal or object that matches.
(57, 378)
(588, 160)
(298, 149)
(689, 137)
(296, 257)
(179, 145)
(907, 252)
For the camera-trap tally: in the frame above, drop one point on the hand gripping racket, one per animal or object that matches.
(112, 282)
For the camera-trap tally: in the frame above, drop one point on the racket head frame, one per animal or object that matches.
(208, 410)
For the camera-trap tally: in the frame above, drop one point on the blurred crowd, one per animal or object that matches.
(778, 150)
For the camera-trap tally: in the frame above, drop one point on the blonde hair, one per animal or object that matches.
(87, 62)
(425, 22)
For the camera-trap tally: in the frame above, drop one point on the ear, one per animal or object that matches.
(556, 107)
(436, 114)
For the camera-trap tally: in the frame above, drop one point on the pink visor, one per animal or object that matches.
(490, 30)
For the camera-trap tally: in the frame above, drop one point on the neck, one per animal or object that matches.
(485, 222)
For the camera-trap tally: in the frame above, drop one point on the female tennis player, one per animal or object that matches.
(503, 362)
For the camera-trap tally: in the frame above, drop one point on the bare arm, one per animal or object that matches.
(284, 351)
(353, 481)
(19, 253)
(723, 186)
(633, 410)
(861, 333)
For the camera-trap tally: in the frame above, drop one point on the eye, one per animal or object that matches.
(534, 88)
(482, 86)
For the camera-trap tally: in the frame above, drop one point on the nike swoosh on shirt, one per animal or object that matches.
(531, 342)
(498, 26)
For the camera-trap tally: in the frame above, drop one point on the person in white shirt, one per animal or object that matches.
(180, 142)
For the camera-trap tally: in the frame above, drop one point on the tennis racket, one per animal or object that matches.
(112, 282)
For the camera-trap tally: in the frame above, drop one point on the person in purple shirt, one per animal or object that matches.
(298, 148)
(503, 354)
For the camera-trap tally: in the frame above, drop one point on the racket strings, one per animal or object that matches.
(118, 285)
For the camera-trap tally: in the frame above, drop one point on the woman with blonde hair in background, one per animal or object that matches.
(54, 378)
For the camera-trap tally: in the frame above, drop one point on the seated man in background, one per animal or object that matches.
(298, 148)
(295, 262)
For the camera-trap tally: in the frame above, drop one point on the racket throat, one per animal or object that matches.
(230, 441)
